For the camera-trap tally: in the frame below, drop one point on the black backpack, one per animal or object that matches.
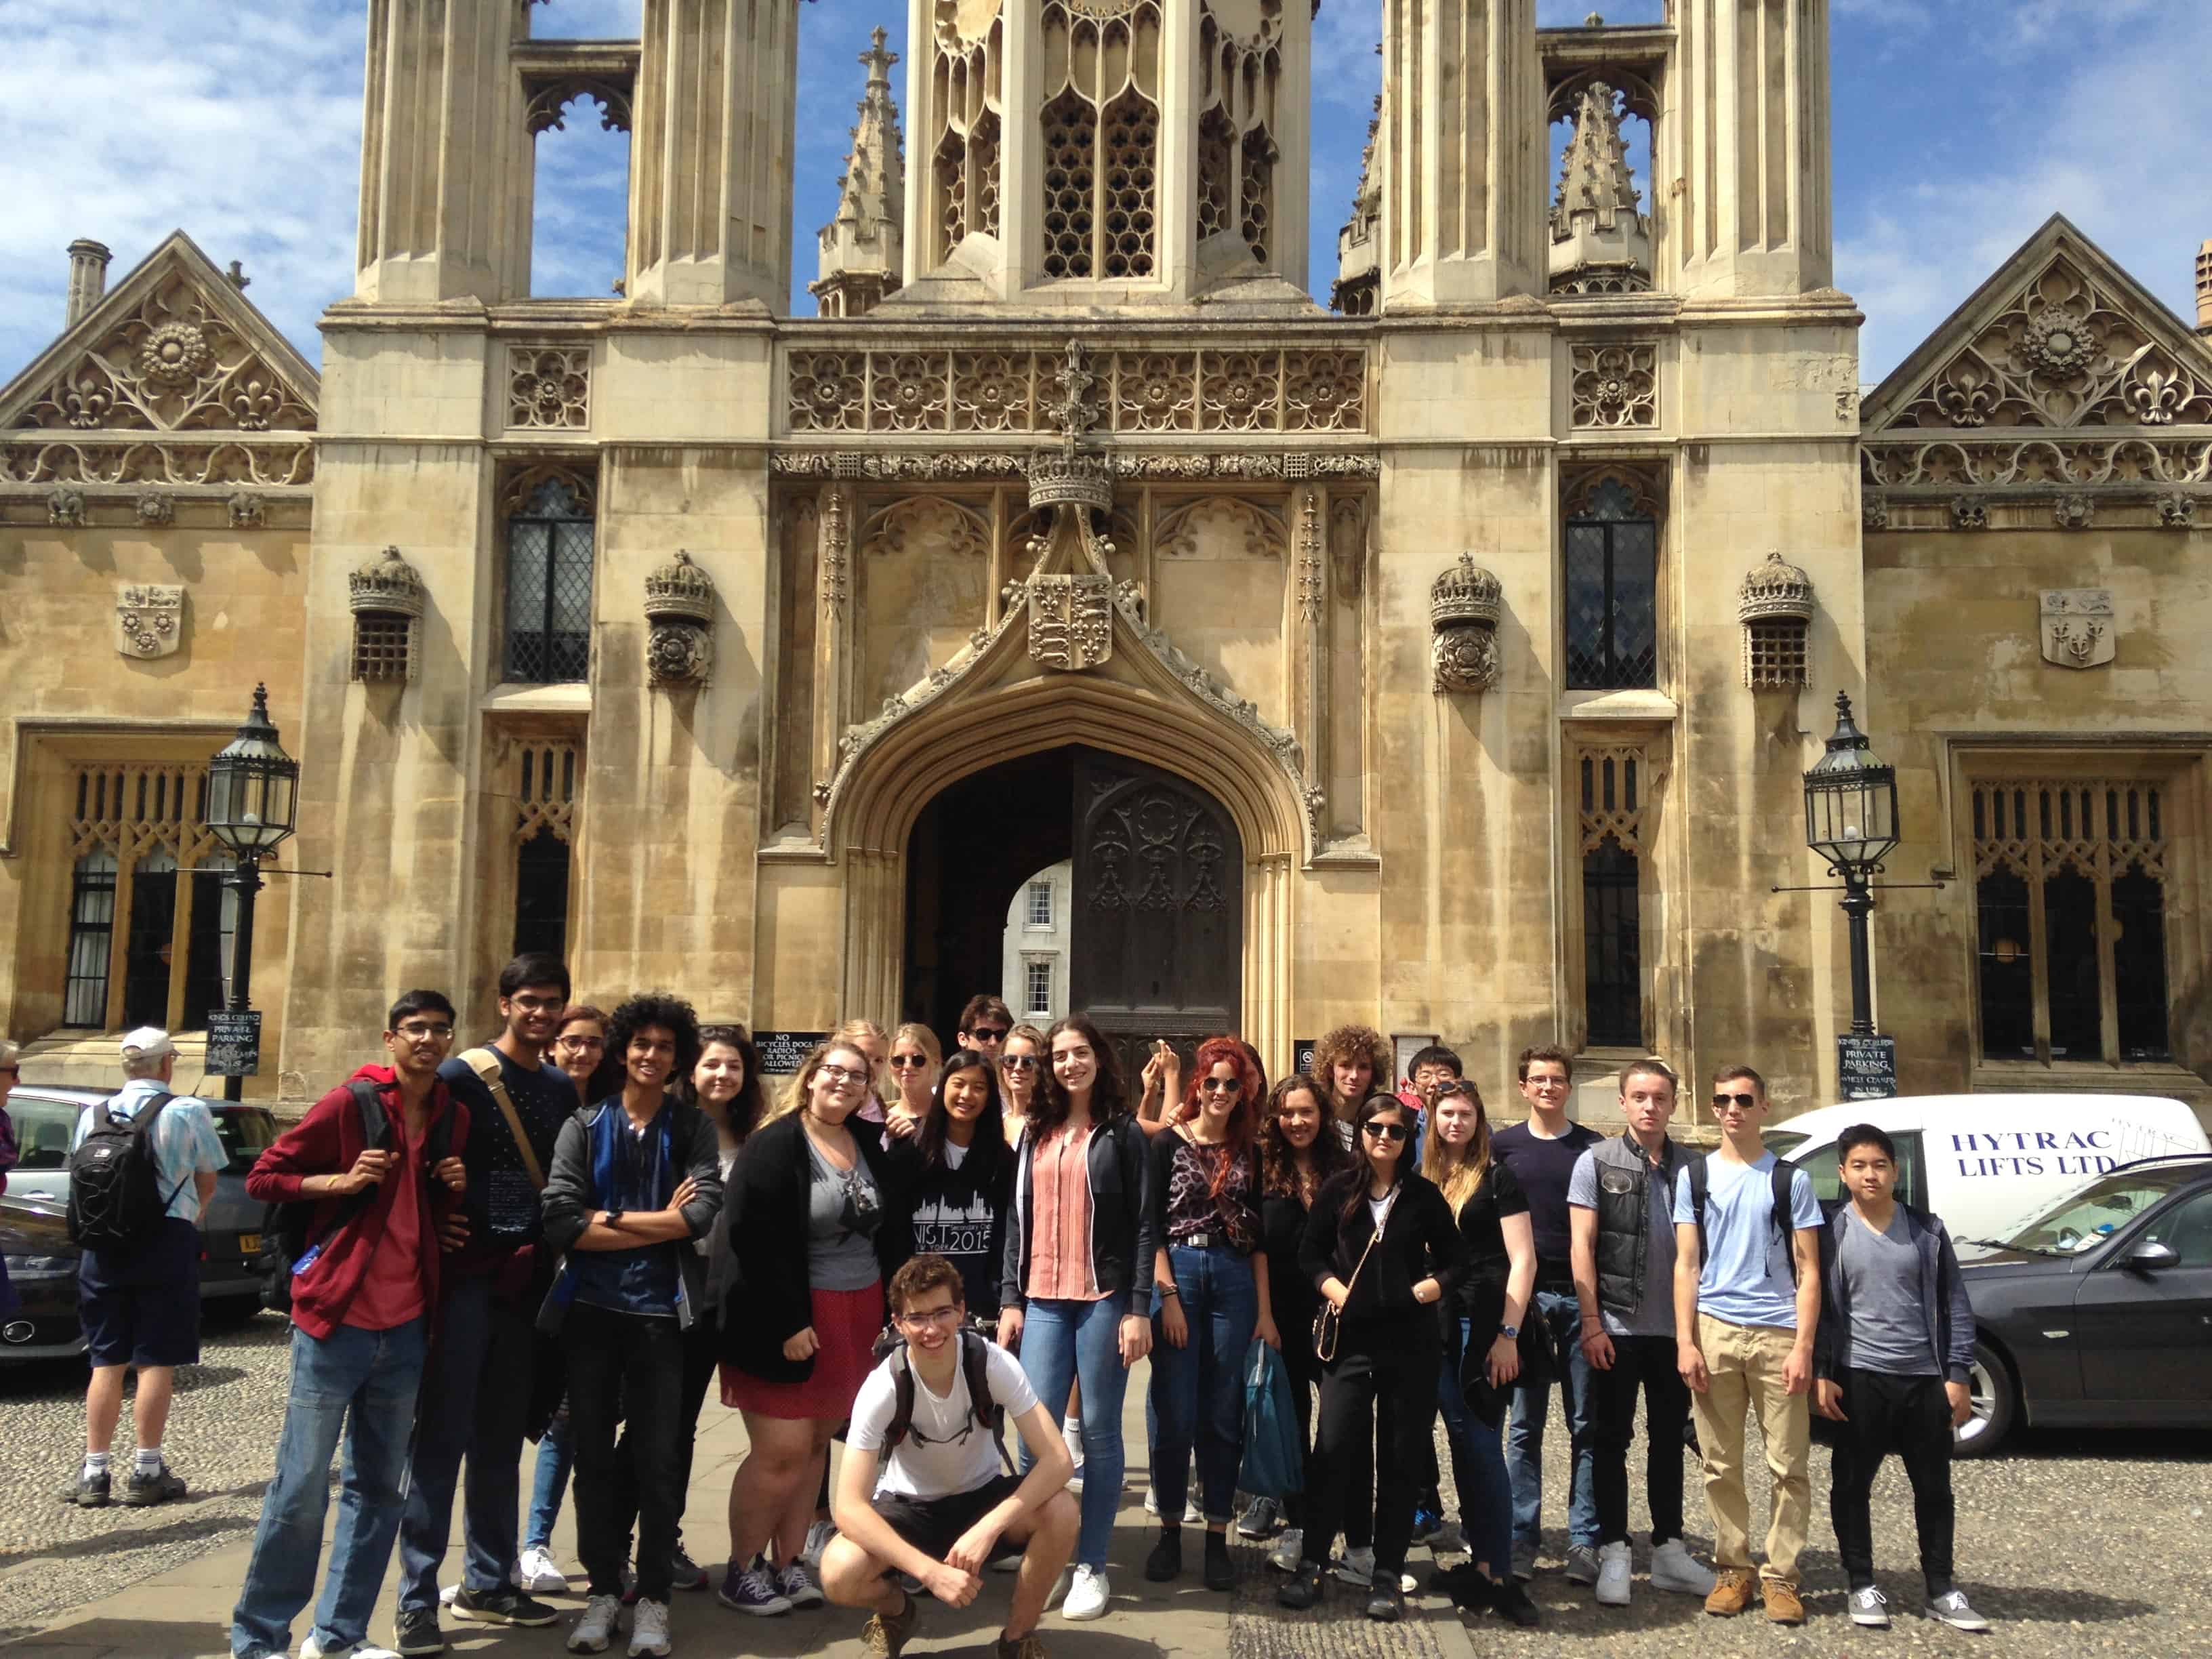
(975, 1356)
(1782, 1177)
(115, 1198)
(285, 1227)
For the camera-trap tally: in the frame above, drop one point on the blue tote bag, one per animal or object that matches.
(1274, 1456)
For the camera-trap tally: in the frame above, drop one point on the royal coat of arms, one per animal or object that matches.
(1070, 620)
(2079, 630)
(149, 619)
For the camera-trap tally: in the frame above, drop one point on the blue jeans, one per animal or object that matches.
(1524, 1437)
(363, 1382)
(552, 1480)
(1477, 1456)
(1062, 1340)
(476, 1394)
(1198, 1390)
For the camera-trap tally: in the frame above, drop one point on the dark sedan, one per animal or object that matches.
(2098, 1313)
(42, 1269)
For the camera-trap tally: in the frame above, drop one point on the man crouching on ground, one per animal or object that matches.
(922, 1489)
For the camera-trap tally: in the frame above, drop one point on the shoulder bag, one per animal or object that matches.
(1329, 1320)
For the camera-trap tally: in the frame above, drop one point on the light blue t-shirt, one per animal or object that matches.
(186, 1142)
(1745, 1279)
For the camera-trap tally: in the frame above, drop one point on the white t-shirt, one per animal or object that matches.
(936, 1460)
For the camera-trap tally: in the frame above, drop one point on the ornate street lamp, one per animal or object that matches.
(253, 806)
(1850, 820)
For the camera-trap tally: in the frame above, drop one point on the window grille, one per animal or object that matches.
(1611, 593)
(548, 585)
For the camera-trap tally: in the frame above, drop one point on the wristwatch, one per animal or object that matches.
(1510, 1331)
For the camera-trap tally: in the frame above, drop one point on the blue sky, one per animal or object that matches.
(1960, 126)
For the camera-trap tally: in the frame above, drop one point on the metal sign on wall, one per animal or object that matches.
(782, 1053)
(1866, 1066)
(233, 1046)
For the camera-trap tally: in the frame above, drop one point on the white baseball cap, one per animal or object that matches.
(147, 1043)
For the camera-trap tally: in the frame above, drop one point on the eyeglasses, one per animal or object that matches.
(1386, 1131)
(908, 1062)
(922, 1318)
(990, 1033)
(1219, 1085)
(539, 1005)
(837, 1077)
(1723, 1102)
(1018, 1062)
(575, 1042)
(419, 1033)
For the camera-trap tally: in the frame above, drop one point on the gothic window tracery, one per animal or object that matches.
(1240, 71)
(1100, 126)
(967, 77)
(550, 556)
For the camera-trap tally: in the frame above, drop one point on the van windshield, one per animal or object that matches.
(2088, 1218)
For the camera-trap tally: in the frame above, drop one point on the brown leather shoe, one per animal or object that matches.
(1783, 1605)
(1732, 1592)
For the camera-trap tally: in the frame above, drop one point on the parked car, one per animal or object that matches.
(42, 1268)
(2098, 1312)
(46, 1119)
(1986, 1162)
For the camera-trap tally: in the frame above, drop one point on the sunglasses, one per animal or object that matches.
(1020, 1062)
(1723, 1102)
(1386, 1131)
(990, 1033)
(1219, 1085)
(908, 1062)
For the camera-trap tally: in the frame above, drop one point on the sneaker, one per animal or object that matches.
(514, 1577)
(88, 1491)
(1732, 1592)
(1021, 1647)
(818, 1540)
(1612, 1571)
(684, 1573)
(1075, 1481)
(1582, 1564)
(1524, 1561)
(1868, 1607)
(1087, 1595)
(1386, 1603)
(1192, 1515)
(312, 1648)
(1301, 1589)
(1151, 1503)
(755, 1589)
(1288, 1546)
(1220, 1569)
(1005, 1563)
(1356, 1567)
(1261, 1519)
(798, 1587)
(1165, 1560)
(602, 1613)
(415, 1631)
(1426, 1520)
(142, 1490)
(1783, 1606)
(648, 1628)
(1674, 1568)
(536, 1575)
(1509, 1600)
(886, 1634)
(1444, 1538)
(1953, 1608)
(502, 1606)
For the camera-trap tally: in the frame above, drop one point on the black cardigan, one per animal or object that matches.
(1421, 1241)
(768, 1299)
(1123, 1244)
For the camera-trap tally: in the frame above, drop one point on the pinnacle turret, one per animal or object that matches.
(1600, 243)
(863, 248)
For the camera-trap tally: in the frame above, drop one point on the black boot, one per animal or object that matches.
(1221, 1571)
(1165, 1562)
(1508, 1600)
(1302, 1587)
(1385, 1601)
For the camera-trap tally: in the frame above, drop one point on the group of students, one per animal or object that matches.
(573, 1232)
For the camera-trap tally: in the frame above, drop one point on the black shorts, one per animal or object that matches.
(935, 1525)
(143, 1308)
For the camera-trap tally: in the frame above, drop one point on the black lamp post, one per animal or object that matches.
(252, 805)
(1850, 820)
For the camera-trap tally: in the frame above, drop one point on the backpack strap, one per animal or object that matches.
(895, 1433)
(142, 1130)
(974, 1366)
(1701, 1182)
(485, 1064)
(1784, 1178)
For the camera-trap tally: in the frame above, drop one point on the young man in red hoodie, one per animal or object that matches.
(362, 1294)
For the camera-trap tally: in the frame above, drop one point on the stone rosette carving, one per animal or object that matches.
(385, 585)
(1071, 621)
(156, 507)
(548, 387)
(1614, 385)
(1465, 604)
(247, 510)
(679, 611)
(64, 507)
(149, 619)
(174, 354)
(2078, 627)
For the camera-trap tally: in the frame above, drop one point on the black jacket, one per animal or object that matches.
(1420, 1241)
(1944, 1307)
(572, 1194)
(768, 1299)
(1123, 1244)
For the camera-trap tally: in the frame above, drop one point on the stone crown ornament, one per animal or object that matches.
(1058, 478)
(1774, 589)
(385, 585)
(1465, 593)
(679, 591)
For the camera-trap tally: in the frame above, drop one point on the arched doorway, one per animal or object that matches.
(1154, 904)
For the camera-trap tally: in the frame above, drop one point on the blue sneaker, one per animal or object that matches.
(752, 1589)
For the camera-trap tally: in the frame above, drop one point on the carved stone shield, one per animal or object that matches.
(149, 619)
(2078, 627)
(1071, 621)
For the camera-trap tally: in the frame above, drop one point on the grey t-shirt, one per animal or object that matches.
(1654, 1315)
(1881, 1276)
(843, 1209)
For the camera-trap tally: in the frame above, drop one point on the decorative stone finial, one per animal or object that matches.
(862, 252)
(1774, 588)
(385, 585)
(1465, 604)
(1358, 276)
(1601, 244)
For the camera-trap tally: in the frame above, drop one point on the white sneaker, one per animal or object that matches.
(602, 1616)
(1151, 1502)
(818, 1540)
(1289, 1548)
(536, 1575)
(1613, 1570)
(1357, 1566)
(1869, 1608)
(1086, 1596)
(1674, 1568)
(648, 1627)
(1005, 1563)
(1192, 1515)
(311, 1649)
(1582, 1564)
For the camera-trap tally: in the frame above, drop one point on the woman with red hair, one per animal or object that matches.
(1209, 1297)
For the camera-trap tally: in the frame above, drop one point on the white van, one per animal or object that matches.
(1984, 1162)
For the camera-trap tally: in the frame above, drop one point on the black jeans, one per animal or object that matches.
(1647, 1361)
(1911, 1417)
(625, 1366)
(1383, 1381)
(1358, 1523)
(701, 1350)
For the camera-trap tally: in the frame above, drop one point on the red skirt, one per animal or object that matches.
(846, 1326)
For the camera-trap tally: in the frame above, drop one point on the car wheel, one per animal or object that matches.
(1995, 1405)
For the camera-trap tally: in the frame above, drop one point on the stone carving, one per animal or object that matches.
(186, 458)
(551, 96)
(64, 507)
(548, 387)
(2078, 628)
(1070, 620)
(2176, 511)
(1600, 243)
(835, 541)
(1162, 389)
(2073, 512)
(385, 585)
(1615, 384)
(915, 521)
(2132, 461)
(1347, 545)
(156, 507)
(679, 610)
(1775, 607)
(1358, 282)
(247, 511)
(1311, 587)
(1874, 511)
(1969, 513)
(1465, 604)
(149, 619)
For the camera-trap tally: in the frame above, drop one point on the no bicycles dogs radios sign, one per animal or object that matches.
(782, 1053)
